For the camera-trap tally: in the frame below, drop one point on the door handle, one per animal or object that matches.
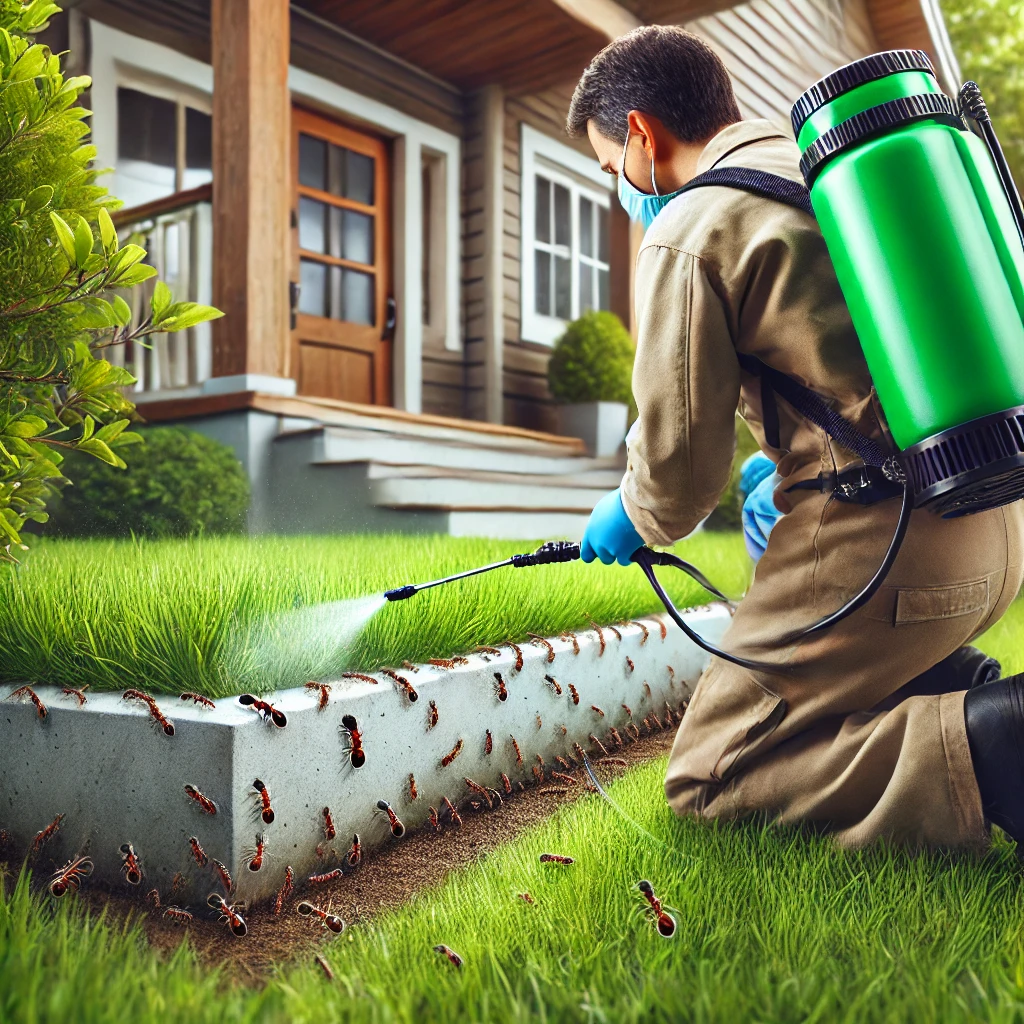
(294, 289)
(390, 319)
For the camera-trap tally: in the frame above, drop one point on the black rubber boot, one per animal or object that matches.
(994, 715)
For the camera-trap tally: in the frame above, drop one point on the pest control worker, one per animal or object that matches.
(864, 729)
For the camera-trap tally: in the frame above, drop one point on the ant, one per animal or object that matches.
(179, 916)
(554, 683)
(572, 638)
(286, 889)
(266, 812)
(615, 633)
(574, 693)
(594, 707)
(413, 791)
(266, 711)
(204, 801)
(488, 743)
(519, 753)
(453, 958)
(397, 828)
(456, 817)
(452, 754)
(79, 695)
(567, 779)
(597, 743)
(537, 639)
(647, 690)
(229, 915)
(616, 738)
(329, 830)
(356, 753)
(484, 792)
(518, 653)
(46, 834)
(629, 664)
(70, 876)
(324, 690)
(506, 782)
(131, 866)
(261, 850)
(198, 853)
(489, 650)
(526, 898)
(403, 683)
(628, 710)
(556, 858)
(328, 876)
(198, 698)
(500, 688)
(27, 691)
(224, 875)
(665, 922)
(431, 715)
(330, 921)
(433, 819)
(600, 638)
(360, 676)
(540, 721)
(355, 854)
(643, 630)
(154, 897)
(151, 705)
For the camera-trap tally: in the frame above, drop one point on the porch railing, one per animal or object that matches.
(177, 234)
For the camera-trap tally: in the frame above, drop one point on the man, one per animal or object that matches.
(862, 728)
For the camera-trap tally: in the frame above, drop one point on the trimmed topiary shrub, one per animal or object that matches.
(593, 361)
(179, 484)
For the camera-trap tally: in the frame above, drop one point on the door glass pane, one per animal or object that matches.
(563, 288)
(336, 171)
(312, 162)
(561, 215)
(357, 237)
(602, 234)
(198, 148)
(542, 281)
(358, 177)
(586, 272)
(357, 296)
(542, 217)
(586, 227)
(311, 225)
(603, 300)
(146, 147)
(313, 288)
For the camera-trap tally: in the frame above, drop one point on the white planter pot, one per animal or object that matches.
(600, 425)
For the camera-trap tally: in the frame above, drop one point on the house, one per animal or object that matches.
(381, 197)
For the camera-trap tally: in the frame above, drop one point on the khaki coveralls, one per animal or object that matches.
(830, 740)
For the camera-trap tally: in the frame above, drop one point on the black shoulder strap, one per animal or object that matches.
(760, 183)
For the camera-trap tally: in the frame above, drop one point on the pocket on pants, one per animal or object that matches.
(905, 605)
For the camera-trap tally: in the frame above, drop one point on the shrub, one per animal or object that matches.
(728, 514)
(179, 484)
(593, 361)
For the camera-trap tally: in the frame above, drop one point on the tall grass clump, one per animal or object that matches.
(222, 614)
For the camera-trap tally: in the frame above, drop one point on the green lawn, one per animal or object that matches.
(225, 615)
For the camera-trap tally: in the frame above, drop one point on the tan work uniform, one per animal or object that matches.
(722, 271)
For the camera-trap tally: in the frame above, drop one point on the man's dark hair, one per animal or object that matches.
(661, 70)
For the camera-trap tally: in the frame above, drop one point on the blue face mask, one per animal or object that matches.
(639, 205)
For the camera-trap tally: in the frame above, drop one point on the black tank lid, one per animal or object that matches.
(867, 69)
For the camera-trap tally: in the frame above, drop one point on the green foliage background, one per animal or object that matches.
(593, 361)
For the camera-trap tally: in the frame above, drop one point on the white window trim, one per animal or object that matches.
(541, 154)
(117, 56)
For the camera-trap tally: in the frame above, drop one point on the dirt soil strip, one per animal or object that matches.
(385, 880)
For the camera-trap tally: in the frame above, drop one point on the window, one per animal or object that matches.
(164, 146)
(565, 210)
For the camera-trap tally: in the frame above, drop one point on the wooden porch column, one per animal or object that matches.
(251, 165)
(492, 100)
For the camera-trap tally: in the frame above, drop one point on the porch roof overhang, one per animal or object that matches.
(523, 45)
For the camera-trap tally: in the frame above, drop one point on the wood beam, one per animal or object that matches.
(604, 16)
(251, 162)
(492, 112)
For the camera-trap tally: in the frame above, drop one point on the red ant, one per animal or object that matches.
(666, 923)
(260, 852)
(643, 630)
(574, 694)
(198, 853)
(616, 738)
(519, 753)
(562, 761)
(177, 882)
(179, 916)
(488, 650)
(197, 698)
(567, 779)
(547, 790)
(452, 754)
(204, 801)
(433, 819)
(325, 692)
(526, 898)
(519, 655)
(356, 753)
(578, 751)
(647, 690)
(575, 643)
(330, 921)
(329, 830)
(413, 791)
(154, 897)
(600, 638)
(285, 891)
(224, 875)
(266, 711)
(594, 707)
(431, 715)
(633, 730)
(628, 710)
(540, 721)
(70, 876)
(397, 828)
(621, 761)
(360, 676)
(656, 720)
(615, 633)
(131, 865)
(266, 812)
(554, 683)
(456, 818)
(27, 691)
(79, 695)
(329, 876)
(488, 743)
(556, 858)
(500, 688)
(538, 773)
(477, 788)
(404, 684)
(355, 854)
(506, 782)
(151, 705)
(597, 743)
(228, 914)
(537, 639)
(453, 958)
(46, 834)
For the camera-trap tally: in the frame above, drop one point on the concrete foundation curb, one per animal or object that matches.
(117, 778)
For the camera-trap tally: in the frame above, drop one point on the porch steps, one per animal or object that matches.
(397, 476)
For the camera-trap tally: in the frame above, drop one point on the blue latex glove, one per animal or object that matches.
(759, 516)
(610, 536)
(753, 471)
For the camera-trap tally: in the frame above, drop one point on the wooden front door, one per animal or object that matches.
(341, 346)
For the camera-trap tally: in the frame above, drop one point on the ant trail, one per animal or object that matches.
(622, 814)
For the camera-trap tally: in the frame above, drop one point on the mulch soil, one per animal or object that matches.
(386, 879)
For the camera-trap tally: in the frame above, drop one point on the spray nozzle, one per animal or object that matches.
(400, 593)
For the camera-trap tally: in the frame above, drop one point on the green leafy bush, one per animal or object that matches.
(728, 514)
(62, 267)
(180, 484)
(593, 361)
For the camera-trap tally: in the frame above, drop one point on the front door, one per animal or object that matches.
(341, 346)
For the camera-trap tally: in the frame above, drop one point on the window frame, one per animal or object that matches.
(542, 155)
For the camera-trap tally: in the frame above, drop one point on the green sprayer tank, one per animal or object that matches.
(923, 224)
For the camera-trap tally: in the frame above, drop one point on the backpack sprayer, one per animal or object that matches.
(925, 228)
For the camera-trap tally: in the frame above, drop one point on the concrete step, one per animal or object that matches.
(518, 525)
(606, 479)
(449, 493)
